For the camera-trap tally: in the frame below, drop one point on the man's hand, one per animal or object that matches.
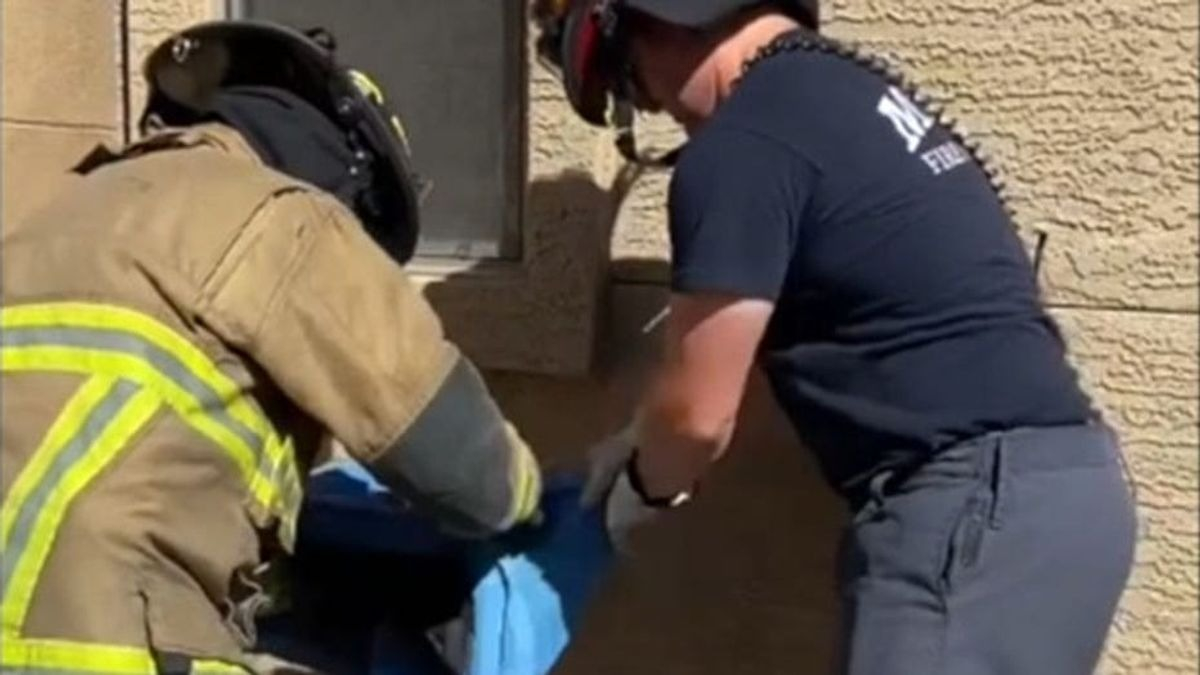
(613, 485)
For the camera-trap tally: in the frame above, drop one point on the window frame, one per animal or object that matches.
(505, 240)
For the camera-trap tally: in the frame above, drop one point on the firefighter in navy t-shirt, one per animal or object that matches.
(826, 227)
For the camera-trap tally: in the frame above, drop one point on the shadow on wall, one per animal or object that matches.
(567, 251)
(542, 314)
(739, 582)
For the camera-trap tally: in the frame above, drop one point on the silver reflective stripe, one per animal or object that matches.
(98, 418)
(164, 362)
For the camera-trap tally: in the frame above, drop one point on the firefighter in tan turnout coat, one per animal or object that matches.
(185, 323)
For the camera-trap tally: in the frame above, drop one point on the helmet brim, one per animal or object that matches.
(706, 13)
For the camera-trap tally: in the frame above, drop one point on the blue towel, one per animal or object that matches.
(527, 589)
(535, 586)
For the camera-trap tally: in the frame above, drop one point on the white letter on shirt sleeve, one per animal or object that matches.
(910, 121)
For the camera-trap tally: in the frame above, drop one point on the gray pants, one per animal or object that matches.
(1003, 555)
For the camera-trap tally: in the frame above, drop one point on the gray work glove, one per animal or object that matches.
(612, 485)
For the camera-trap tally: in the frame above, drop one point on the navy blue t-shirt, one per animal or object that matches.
(907, 313)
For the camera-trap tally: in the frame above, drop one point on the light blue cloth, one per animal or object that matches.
(519, 621)
(532, 594)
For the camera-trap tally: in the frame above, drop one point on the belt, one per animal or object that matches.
(1036, 449)
(1021, 450)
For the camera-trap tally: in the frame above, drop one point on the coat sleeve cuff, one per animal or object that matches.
(461, 462)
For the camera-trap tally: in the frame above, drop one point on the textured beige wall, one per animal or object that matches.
(61, 92)
(1090, 108)
(1142, 368)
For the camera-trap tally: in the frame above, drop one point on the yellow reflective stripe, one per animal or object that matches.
(73, 657)
(135, 369)
(87, 428)
(367, 86)
(527, 483)
(61, 431)
(136, 365)
(374, 92)
(197, 363)
(109, 317)
(398, 127)
(103, 449)
(291, 491)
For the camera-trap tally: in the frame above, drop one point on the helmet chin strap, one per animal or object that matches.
(626, 141)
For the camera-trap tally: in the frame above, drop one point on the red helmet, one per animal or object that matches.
(583, 41)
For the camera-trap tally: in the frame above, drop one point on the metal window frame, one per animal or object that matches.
(507, 245)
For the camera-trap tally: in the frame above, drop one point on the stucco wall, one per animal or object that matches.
(1090, 107)
(62, 84)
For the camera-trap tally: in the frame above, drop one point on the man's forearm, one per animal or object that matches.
(690, 410)
(677, 441)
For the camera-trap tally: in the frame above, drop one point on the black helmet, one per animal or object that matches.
(188, 71)
(702, 13)
(583, 41)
